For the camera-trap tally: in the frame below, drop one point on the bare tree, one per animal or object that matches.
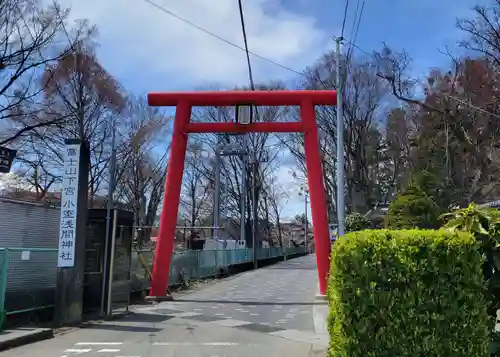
(33, 170)
(142, 162)
(394, 174)
(197, 188)
(277, 198)
(264, 146)
(31, 34)
(483, 31)
(86, 100)
(364, 96)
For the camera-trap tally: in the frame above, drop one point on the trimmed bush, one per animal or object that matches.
(412, 209)
(356, 222)
(407, 293)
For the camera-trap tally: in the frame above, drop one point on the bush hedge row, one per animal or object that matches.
(407, 293)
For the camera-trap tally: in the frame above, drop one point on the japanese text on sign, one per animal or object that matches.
(69, 204)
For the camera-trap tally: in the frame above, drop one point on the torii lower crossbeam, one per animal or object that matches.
(184, 101)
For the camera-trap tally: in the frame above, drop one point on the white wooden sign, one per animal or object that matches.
(69, 204)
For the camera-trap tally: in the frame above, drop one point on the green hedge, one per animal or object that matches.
(412, 209)
(407, 293)
(356, 222)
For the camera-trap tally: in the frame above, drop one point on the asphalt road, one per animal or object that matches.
(282, 295)
(268, 312)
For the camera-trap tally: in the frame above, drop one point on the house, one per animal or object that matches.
(292, 233)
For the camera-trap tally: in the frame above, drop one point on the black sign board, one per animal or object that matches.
(6, 158)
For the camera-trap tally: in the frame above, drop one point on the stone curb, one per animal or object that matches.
(43, 334)
(48, 333)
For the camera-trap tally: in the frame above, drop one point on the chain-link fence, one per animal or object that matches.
(27, 280)
(198, 264)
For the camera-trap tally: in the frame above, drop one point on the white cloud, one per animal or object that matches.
(295, 203)
(287, 181)
(136, 36)
(139, 40)
(11, 181)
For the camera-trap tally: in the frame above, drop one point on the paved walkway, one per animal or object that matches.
(281, 295)
(268, 312)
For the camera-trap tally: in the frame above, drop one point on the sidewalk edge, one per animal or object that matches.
(43, 334)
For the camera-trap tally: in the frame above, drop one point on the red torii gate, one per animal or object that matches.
(184, 101)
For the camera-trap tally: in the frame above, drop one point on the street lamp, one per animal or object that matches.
(244, 114)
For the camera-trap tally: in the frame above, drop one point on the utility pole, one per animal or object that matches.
(340, 143)
(218, 162)
(216, 209)
(226, 197)
(243, 193)
(109, 207)
(244, 115)
(266, 208)
(306, 223)
(254, 210)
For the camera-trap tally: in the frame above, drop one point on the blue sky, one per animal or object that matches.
(421, 28)
(148, 50)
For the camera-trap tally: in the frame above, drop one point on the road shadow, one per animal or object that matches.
(139, 318)
(289, 268)
(122, 328)
(294, 265)
(145, 318)
(263, 303)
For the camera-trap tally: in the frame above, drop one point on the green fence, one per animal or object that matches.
(28, 275)
(27, 280)
(198, 264)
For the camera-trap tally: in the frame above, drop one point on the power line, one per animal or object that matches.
(351, 43)
(345, 17)
(472, 106)
(222, 39)
(354, 33)
(360, 49)
(445, 95)
(359, 22)
(355, 17)
(254, 200)
(245, 40)
(192, 24)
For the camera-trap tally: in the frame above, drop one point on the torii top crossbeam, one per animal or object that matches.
(230, 98)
